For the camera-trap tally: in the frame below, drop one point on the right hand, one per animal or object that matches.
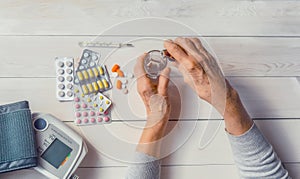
(200, 70)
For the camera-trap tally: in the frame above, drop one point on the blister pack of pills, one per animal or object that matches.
(64, 67)
(91, 109)
(92, 78)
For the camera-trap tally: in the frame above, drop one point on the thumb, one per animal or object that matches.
(163, 82)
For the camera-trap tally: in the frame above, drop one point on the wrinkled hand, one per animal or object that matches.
(154, 93)
(200, 70)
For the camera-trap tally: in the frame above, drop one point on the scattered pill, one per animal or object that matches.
(90, 87)
(61, 78)
(105, 83)
(115, 68)
(130, 75)
(124, 81)
(79, 75)
(119, 84)
(114, 74)
(95, 71)
(91, 74)
(124, 86)
(125, 91)
(95, 86)
(85, 74)
(100, 69)
(84, 89)
(120, 73)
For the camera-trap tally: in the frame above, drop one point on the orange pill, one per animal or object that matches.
(115, 68)
(120, 73)
(119, 84)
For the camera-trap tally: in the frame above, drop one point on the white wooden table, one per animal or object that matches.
(257, 43)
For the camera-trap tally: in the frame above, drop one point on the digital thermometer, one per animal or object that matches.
(60, 149)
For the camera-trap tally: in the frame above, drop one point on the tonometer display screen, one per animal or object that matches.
(57, 153)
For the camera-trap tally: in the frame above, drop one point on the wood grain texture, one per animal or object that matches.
(241, 56)
(263, 18)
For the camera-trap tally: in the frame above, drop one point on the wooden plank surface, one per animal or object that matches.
(32, 56)
(233, 18)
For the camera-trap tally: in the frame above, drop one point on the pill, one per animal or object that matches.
(84, 105)
(106, 118)
(124, 86)
(69, 63)
(85, 74)
(61, 86)
(69, 71)
(107, 102)
(61, 94)
(100, 119)
(92, 64)
(98, 114)
(81, 67)
(70, 86)
(61, 78)
(115, 68)
(124, 81)
(69, 93)
(76, 81)
(93, 120)
(60, 64)
(92, 113)
(86, 54)
(78, 121)
(101, 109)
(95, 105)
(83, 61)
(76, 90)
(89, 100)
(76, 99)
(100, 97)
(100, 69)
(85, 114)
(91, 74)
(114, 74)
(84, 89)
(61, 72)
(130, 75)
(120, 73)
(106, 112)
(95, 72)
(95, 86)
(77, 106)
(69, 78)
(100, 84)
(125, 91)
(82, 95)
(78, 114)
(94, 57)
(86, 120)
(105, 83)
(119, 84)
(79, 75)
(90, 87)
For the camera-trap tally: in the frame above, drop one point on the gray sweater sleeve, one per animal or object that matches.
(145, 167)
(255, 157)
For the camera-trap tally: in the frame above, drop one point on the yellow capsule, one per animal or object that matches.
(85, 74)
(89, 100)
(105, 83)
(101, 97)
(79, 75)
(82, 95)
(100, 84)
(100, 69)
(107, 102)
(95, 86)
(101, 109)
(95, 105)
(90, 87)
(95, 72)
(84, 89)
(91, 74)
(76, 90)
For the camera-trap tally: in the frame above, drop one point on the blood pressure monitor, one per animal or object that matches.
(60, 149)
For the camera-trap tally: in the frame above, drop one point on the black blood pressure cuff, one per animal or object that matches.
(17, 142)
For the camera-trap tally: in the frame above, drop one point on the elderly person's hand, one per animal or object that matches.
(154, 94)
(201, 71)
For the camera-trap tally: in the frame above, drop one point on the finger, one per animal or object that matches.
(163, 82)
(139, 66)
(199, 45)
(188, 45)
(175, 50)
